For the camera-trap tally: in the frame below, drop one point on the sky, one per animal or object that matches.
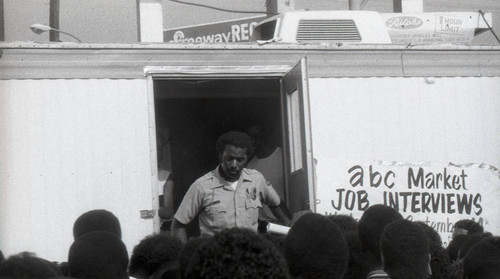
(115, 21)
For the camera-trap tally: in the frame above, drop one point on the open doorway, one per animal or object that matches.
(195, 112)
(196, 106)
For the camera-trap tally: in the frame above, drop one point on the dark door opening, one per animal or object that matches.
(195, 112)
(198, 104)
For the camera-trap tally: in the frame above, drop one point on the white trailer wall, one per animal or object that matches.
(66, 147)
(389, 125)
(407, 119)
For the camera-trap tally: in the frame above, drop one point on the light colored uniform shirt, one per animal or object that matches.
(272, 169)
(219, 206)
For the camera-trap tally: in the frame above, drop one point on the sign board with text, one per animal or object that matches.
(239, 30)
(438, 195)
(432, 28)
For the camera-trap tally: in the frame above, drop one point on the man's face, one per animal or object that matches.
(233, 159)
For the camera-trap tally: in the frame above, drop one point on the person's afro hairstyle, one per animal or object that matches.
(98, 255)
(432, 234)
(455, 245)
(472, 240)
(97, 220)
(152, 253)
(467, 226)
(28, 265)
(405, 250)
(372, 224)
(482, 262)
(439, 261)
(315, 248)
(346, 223)
(234, 138)
(277, 240)
(355, 267)
(187, 252)
(236, 253)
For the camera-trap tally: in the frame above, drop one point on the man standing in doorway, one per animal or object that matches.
(229, 196)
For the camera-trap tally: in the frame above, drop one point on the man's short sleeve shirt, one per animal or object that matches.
(220, 207)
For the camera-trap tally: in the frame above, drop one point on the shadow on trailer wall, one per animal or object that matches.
(197, 112)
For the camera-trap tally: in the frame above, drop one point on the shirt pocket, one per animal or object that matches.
(216, 213)
(252, 209)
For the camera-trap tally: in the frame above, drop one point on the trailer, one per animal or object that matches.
(415, 127)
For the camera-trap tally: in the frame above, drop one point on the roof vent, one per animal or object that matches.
(328, 30)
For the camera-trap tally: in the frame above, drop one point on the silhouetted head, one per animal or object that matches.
(98, 255)
(405, 250)
(315, 248)
(97, 220)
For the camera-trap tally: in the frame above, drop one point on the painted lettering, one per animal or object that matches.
(226, 36)
(404, 22)
(350, 199)
(356, 178)
(245, 32)
(432, 180)
(235, 33)
(425, 202)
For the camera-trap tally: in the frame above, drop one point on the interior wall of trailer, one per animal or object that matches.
(69, 146)
(438, 120)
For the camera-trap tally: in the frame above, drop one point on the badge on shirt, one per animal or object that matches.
(252, 194)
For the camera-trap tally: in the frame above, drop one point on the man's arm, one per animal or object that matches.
(179, 230)
(167, 211)
(278, 213)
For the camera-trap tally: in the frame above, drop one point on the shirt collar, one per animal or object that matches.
(219, 181)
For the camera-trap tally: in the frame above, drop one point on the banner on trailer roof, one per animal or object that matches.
(438, 195)
(434, 28)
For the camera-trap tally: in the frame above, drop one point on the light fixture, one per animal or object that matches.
(39, 28)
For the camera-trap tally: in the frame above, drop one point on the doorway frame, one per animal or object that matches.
(154, 73)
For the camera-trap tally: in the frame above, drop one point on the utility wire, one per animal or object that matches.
(222, 9)
(489, 27)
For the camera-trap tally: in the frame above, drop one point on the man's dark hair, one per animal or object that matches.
(469, 226)
(98, 255)
(28, 265)
(482, 261)
(187, 252)
(372, 224)
(355, 267)
(455, 245)
(346, 223)
(405, 250)
(440, 260)
(97, 220)
(432, 234)
(315, 248)
(234, 138)
(472, 240)
(153, 253)
(236, 253)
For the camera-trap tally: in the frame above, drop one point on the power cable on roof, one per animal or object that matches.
(222, 9)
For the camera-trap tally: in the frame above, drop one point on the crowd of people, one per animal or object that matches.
(226, 202)
(381, 244)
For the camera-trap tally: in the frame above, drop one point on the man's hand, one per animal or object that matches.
(296, 216)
